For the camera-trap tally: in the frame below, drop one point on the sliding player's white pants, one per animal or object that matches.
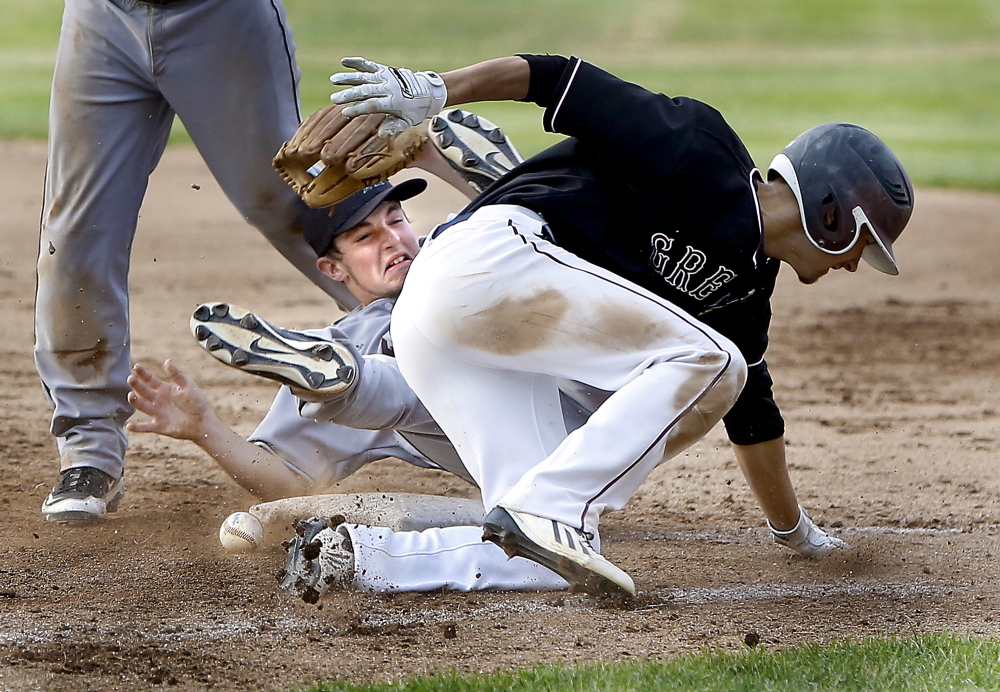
(490, 316)
(454, 557)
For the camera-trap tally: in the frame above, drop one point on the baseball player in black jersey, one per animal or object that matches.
(637, 256)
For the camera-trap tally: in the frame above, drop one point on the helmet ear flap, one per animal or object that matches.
(831, 214)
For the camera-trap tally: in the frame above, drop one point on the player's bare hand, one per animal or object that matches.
(407, 97)
(177, 408)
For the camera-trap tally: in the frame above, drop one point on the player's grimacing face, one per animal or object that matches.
(374, 257)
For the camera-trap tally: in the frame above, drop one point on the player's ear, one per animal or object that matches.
(331, 267)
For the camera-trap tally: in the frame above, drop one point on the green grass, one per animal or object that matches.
(921, 73)
(921, 663)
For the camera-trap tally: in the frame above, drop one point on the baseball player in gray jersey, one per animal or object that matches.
(368, 246)
(123, 69)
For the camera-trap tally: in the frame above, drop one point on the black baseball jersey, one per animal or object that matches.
(662, 192)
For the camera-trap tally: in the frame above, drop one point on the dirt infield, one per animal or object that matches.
(890, 388)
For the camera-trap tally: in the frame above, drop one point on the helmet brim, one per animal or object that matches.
(879, 255)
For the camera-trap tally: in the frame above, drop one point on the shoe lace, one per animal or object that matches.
(79, 478)
(74, 478)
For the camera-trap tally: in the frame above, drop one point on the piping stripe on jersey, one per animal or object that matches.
(754, 176)
(562, 97)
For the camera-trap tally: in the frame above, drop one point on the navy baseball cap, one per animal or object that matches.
(356, 208)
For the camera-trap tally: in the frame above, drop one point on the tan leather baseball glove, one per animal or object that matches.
(331, 157)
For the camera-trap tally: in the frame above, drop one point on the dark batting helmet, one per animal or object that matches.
(845, 178)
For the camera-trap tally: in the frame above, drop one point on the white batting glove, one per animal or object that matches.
(407, 97)
(806, 538)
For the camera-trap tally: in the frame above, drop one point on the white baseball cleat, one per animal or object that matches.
(312, 366)
(807, 539)
(320, 557)
(475, 148)
(563, 549)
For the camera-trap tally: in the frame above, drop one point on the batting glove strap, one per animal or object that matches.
(806, 538)
(407, 97)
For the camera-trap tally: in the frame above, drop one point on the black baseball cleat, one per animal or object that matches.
(563, 549)
(310, 365)
(83, 495)
(475, 148)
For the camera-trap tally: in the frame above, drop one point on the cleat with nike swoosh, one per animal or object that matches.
(475, 148)
(309, 364)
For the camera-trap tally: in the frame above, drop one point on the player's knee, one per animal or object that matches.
(729, 375)
(282, 219)
(736, 371)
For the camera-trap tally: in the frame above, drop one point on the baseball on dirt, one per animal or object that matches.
(241, 532)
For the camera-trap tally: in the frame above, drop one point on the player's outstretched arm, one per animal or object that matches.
(409, 97)
(179, 409)
(499, 79)
(766, 470)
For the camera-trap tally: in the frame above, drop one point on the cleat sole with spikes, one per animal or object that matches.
(247, 342)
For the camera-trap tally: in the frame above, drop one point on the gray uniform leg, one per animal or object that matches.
(122, 70)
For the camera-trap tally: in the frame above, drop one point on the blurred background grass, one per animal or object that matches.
(923, 74)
